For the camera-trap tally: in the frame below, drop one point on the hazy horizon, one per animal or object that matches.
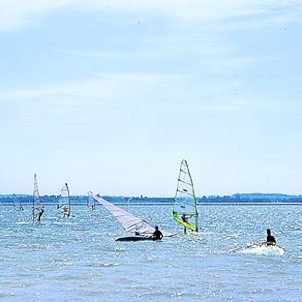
(145, 196)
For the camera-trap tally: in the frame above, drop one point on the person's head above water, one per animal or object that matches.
(268, 231)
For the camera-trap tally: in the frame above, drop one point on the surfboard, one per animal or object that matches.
(261, 248)
(136, 238)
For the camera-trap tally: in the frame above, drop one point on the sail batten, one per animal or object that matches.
(183, 181)
(186, 192)
(185, 210)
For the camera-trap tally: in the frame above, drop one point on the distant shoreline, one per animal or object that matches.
(235, 199)
(251, 203)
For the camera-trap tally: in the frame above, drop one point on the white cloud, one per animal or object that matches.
(106, 87)
(134, 93)
(15, 14)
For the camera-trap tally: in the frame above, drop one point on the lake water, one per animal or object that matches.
(77, 259)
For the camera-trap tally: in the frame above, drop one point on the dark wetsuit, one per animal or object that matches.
(157, 235)
(270, 239)
(39, 215)
(184, 218)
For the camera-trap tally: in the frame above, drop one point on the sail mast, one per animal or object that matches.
(193, 195)
(69, 205)
(195, 201)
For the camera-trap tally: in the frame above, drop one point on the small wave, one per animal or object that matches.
(23, 222)
(104, 264)
(263, 250)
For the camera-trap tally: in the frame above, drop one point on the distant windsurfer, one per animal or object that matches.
(270, 239)
(91, 207)
(20, 208)
(157, 234)
(40, 212)
(66, 212)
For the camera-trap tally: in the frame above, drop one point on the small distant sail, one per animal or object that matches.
(17, 203)
(64, 201)
(185, 209)
(38, 208)
(90, 201)
(129, 222)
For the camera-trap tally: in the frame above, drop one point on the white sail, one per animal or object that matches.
(90, 201)
(129, 222)
(17, 203)
(64, 201)
(37, 208)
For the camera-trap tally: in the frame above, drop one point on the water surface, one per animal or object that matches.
(77, 259)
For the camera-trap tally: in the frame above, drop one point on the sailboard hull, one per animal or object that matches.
(136, 238)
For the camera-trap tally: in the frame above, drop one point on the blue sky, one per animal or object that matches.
(110, 96)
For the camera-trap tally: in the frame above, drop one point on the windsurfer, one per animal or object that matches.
(40, 213)
(270, 239)
(91, 207)
(157, 234)
(184, 218)
(66, 212)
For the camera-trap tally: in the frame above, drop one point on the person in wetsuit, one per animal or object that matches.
(40, 213)
(157, 234)
(66, 212)
(184, 218)
(270, 239)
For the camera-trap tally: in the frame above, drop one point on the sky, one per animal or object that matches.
(110, 96)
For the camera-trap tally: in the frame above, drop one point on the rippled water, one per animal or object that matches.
(77, 259)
